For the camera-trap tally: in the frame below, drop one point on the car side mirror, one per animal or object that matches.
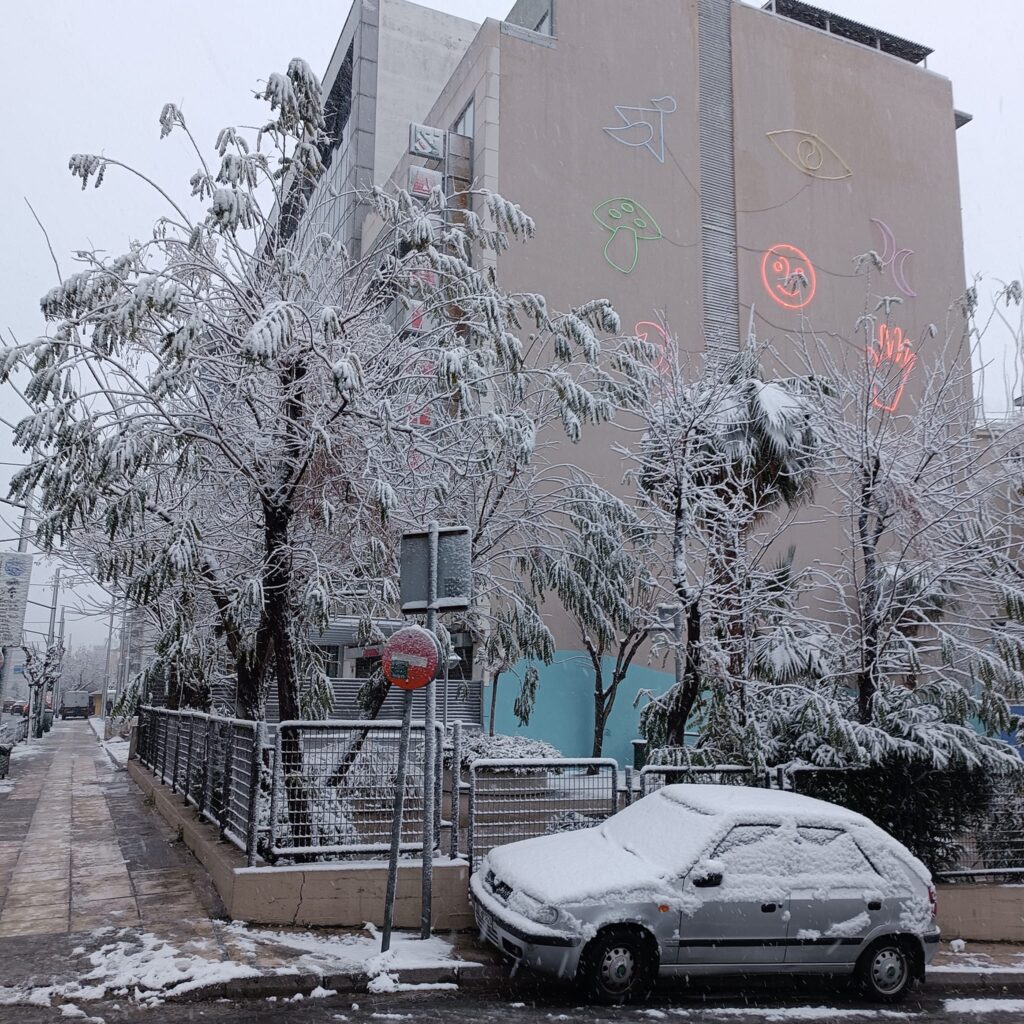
(708, 881)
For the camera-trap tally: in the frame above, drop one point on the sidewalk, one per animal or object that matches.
(97, 898)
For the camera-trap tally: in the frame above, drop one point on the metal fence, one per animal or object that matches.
(213, 762)
(333, 789)
(11, 735)
(655, 776)
(512, 799)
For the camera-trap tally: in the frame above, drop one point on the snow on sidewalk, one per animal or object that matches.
(117, 747)
(146, 969)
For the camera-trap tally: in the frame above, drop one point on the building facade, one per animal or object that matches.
(706, 164)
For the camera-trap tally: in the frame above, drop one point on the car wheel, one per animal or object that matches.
(617, 967)
(885, 971)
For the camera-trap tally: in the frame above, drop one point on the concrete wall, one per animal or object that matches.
(419, 48)
(342, 895)
(543, 105)
(982, 913)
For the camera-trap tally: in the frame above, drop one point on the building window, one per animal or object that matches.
(544, 25)
(464, 122)
(331, 658)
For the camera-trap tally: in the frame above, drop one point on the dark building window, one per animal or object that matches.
(337, 109)
(464, 123)
(331, 657)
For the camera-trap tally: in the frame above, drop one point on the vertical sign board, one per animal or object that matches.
(15, 575)
(454, 570)
(427, 141)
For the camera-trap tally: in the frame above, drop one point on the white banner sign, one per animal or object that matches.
(15, 574)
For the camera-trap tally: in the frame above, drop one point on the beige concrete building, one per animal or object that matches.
(705, 164)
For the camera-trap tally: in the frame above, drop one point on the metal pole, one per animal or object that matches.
(106, 667)
(456, 787)
(430, 698)
(58, 697)
(7, 670)
(396, 823)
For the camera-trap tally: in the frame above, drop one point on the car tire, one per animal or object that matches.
(885, 971)
(618, 967)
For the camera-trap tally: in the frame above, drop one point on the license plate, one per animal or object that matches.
(483, 921)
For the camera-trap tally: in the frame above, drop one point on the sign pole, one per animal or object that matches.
(430, 696)
(396, 823)
(409, 662)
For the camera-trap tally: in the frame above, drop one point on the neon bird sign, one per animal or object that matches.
(892, 359)
(788, 276)
(642, 330)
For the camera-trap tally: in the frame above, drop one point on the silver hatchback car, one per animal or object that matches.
(712, 880)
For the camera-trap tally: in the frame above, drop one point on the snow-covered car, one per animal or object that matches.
(712, 880)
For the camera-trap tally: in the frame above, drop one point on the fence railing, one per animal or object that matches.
(654, 776)
(512, 799)
(334, 783)
(214, 762)
(14, 731)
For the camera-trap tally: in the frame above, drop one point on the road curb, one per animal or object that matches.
(1009, 981)
(263, 986)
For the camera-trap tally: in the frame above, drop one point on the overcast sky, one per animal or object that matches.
(77, 77)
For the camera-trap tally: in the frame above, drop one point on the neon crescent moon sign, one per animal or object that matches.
(788, 276)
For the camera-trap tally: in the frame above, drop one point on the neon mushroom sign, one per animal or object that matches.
(788, 276)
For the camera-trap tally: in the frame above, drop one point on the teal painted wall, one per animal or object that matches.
(564, 713)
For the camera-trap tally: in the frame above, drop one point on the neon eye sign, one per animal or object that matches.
(788, 276)
(892, 361)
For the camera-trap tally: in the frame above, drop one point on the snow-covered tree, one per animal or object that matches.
(927, 570)
(600, 576)
(43, 671)
(234, 419)
(722, 449)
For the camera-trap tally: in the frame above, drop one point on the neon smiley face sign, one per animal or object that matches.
(788, 276)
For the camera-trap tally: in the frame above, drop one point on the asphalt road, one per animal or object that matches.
(529, 1004)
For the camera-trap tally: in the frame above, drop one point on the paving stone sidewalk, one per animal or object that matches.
(79, 851)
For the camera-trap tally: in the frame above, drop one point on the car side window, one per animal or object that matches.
(828, 852)
(753, 850)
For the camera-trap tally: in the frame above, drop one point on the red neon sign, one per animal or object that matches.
(662, 343)
(892, 359)
(788, 276)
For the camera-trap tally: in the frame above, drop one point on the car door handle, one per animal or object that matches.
(875, 905)
(768, 908)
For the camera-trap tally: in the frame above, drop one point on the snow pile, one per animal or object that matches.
(351, 953)
(984, 1005)
(116, 747)
(479, 745)
(788, 1013)
(143, 968)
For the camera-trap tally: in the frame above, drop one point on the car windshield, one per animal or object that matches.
(666, 831)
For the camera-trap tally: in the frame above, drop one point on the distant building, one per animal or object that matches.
(705, 163)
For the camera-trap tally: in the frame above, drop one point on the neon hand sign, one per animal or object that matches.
(788, 276)
(892, 361)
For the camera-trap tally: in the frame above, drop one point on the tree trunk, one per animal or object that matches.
(494, 701)
(601, 709)
(870, 523)
(277, 580)
(684, 696)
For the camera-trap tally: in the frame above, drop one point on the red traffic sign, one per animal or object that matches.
(410, 658)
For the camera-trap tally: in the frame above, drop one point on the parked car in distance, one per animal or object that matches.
(75, 704)
(704, 879)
